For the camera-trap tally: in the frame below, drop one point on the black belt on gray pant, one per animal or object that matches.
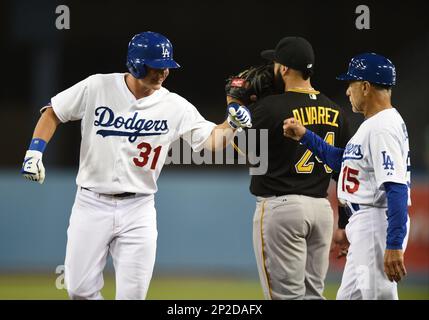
(118, 195)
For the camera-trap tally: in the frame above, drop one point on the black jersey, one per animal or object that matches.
(292, 168)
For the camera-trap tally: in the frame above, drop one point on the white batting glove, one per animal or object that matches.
(32, 168)
(239, 116)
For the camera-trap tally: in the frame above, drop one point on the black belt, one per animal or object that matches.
(118, 195)
(354, 208)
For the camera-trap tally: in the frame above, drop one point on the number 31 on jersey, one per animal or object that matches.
(145, 154)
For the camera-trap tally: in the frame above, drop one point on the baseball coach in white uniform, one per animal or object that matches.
(374, 181)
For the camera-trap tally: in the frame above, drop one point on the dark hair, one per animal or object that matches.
(378, 86)
(306, 74)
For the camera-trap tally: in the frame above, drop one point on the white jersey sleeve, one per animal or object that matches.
(390, 164)
(195, 129)
(70, 104)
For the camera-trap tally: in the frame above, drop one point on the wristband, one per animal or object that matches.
(38, 145)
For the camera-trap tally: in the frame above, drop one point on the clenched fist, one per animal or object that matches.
(32, 168)
(293, 129)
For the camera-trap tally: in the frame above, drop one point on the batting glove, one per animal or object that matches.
(32, 168)
(239, 116)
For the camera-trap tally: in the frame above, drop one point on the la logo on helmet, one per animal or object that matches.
(165, 52)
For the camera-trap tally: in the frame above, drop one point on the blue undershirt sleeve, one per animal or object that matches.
(329, 154)
(397, 214)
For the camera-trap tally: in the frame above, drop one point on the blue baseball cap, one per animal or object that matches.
(370, 67)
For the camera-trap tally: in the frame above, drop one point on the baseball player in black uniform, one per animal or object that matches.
(293, 221)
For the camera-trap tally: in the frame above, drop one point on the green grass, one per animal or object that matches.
(166, 288)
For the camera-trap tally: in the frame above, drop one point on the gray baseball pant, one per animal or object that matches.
(292, 237)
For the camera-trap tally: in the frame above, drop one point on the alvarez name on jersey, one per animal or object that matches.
(379, 152)
(125, 140)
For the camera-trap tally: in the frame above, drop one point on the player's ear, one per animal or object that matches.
(283, 70)
(366, 86)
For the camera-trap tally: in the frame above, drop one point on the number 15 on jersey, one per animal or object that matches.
(350, 182)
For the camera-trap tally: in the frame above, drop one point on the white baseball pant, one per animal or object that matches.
(124, 226)
(364, 277)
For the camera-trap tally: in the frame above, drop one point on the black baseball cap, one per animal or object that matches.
(293, 52)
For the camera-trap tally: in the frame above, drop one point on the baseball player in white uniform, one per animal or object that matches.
(128, 123)
(374, 181)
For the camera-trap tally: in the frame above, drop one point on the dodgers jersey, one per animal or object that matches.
(125, 140)
(379, 152)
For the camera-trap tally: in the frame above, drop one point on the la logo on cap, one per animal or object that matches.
(165, 52)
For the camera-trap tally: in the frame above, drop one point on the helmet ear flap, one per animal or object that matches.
(138, 73)
(143, 71)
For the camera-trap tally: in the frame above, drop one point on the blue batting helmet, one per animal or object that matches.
(149, 49)
(370, 67)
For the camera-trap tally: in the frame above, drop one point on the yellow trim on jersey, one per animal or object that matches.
(267, 276)
(309, 91)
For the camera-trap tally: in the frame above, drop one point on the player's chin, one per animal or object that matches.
(156, 86)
